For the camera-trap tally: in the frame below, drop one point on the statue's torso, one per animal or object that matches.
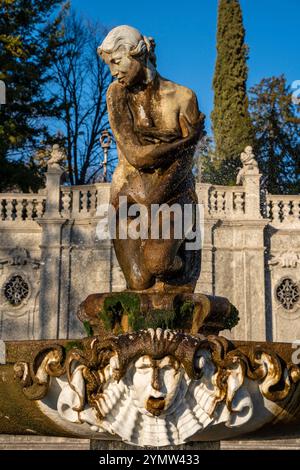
(157, 108)
(156, 113)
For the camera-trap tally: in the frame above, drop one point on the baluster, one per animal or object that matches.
(228, 203)
(29, 210)
(66, 203)
(75, 202)
(239, 202)
(276, 209)
(214, 201)
(93, 201)
(220, 202)
(2, 209)
(210, 201)
(9, 209)
(293, 210)
(40, 208)
(285, 211)
(17, 209)
(84, 202)
(269, 210)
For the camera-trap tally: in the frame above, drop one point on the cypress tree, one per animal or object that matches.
(231, 121)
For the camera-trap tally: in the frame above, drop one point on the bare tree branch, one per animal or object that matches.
(80, 82)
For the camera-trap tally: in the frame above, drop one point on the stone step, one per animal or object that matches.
(42, 443)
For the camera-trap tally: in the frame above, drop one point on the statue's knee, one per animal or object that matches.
(138, 281)
(158, 263)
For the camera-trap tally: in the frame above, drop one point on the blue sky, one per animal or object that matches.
(185, 34)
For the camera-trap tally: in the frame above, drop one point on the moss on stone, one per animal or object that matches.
(126, 303)
(170, 319)
(73, 344)
(184, 314)
(159, 318)
(117, 305)
(233, 318)
(88, 328)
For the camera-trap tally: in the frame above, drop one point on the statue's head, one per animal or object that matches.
(247, 155)
(129, 55)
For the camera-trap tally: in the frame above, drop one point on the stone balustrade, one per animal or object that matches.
(78, 201)
(221, 202)
(283, 209)
(21, 207)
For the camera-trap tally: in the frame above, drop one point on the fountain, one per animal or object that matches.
(154, 370)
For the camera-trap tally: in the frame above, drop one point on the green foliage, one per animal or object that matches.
(30, 36)
(276, 121)
(88, 328)
(16, 174)
(230, 117)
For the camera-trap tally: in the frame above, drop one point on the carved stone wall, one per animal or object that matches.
(283, 272)
(250, 254)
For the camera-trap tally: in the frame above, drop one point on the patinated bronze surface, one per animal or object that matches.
(156, 124)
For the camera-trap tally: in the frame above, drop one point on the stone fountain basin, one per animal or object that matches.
(28, 408)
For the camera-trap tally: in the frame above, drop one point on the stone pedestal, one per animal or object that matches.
(122, 312)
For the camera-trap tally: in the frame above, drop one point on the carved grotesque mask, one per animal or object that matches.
(155, 383)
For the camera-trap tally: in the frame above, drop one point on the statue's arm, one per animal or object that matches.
(151, 155)
(190, 118)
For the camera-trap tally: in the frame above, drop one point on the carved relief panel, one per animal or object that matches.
(285, 291)
(19, 290)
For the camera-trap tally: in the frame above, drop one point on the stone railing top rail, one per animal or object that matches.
(85, 187)
(227, 189)
(217, 187)
(22, 196)
(283, 197)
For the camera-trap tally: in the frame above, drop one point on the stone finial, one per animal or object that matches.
(250, 165)
(57, 157)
